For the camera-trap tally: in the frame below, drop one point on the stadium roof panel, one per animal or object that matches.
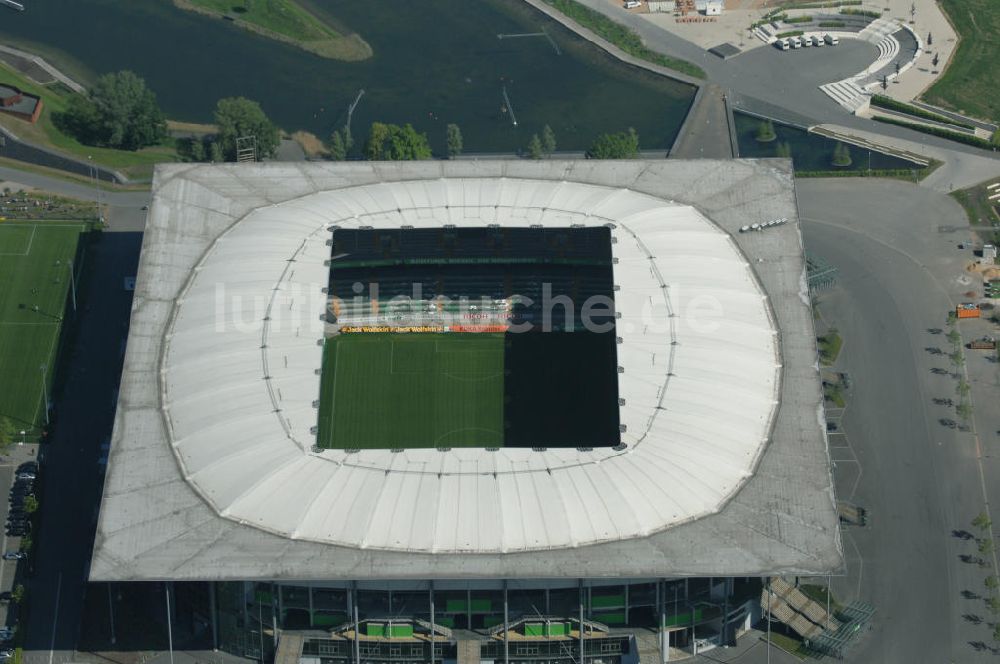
(226, 325)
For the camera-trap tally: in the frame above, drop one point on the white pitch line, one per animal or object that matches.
(55, 619)
(26, 251)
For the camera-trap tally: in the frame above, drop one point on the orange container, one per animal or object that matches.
(967, 311)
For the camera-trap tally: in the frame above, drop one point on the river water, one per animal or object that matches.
(435, 62)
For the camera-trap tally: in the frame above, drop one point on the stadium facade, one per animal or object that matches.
(382, 545)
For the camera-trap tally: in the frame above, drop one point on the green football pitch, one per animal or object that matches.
(34, 284)
(412, 390)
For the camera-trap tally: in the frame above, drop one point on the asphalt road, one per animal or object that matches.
(919, 479)
(83, 412)
(766, 74)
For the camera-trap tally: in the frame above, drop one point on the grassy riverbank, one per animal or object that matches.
(286, 21)
(969, 83)
(622, 37)
(45, 134)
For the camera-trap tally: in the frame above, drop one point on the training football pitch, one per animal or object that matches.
(34, 283)
(412, 390)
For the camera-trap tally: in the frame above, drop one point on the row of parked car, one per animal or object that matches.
(805, 40)
(18, 524)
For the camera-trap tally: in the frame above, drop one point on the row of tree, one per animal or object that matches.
(120, 112)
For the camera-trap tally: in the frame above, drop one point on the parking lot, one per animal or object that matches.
(11, 568)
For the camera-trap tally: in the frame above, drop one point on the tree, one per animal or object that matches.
(996, 632)
(338, 150)
(622, 145)
(783, 150)
(215, 153)
(841, 155)
(991, 582)
(964, 410)
(17, 595)
(954, 337)
(982, 521)
(930, 39)
(119, 112)
(237, 117)
(30, 505)
(535, 147)
(548, 140)
(993, 604)
(765, 132)
(935, 60)
(985, 547)
(395, 143)
(197, 150)
(453, 140)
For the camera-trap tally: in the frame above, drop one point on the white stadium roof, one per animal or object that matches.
(217, 418)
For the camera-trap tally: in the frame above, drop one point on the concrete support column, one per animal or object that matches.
(357, 636)
(430, 598)
(246, 596)
(274, 617)
(350, 600)
(312, 611)
(548, 606)
(626, 603)
(390, 602)
(506, 626)
(590, 602)
(580, 601)
(215, 617)
(281, 602)
(662, 621)
(468, 608)
(687, 596)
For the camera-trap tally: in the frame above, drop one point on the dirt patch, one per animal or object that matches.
(310, 144)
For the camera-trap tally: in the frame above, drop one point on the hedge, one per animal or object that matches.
(799, 19)
(874, 173)
(790, 33)
(935, 131)
(861, 12)
(893, 105)
(622, 37)
(832, 24)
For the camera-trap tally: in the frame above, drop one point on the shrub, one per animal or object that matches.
(799, 19)
(901, 107)
(968, 139)
(790, 33)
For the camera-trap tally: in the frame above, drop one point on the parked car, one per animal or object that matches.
(15, 555)
(5, 596)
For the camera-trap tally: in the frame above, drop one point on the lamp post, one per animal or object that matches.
(45, 391)
(72, 284)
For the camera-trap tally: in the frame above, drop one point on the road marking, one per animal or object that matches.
(55, 619)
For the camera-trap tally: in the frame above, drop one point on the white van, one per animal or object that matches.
(831, 40)
(796, 42)
(817, 40)
(632, 4)
(806, 41)
(781, 44)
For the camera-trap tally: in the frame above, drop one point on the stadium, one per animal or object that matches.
(470, 411)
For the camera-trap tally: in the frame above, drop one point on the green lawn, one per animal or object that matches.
(412, 390)
(969, 85)
(138, 164)
(285, 17)
(34, 284)
(285, 20)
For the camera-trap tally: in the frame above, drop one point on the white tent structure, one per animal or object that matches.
(214, 471)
